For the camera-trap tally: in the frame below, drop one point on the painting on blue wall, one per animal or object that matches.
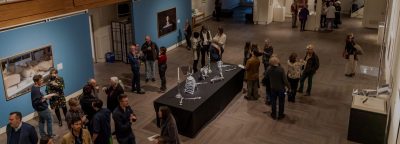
(18, 70)
(166, 21)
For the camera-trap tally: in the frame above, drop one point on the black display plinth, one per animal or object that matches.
(193, 115)
(367, 122)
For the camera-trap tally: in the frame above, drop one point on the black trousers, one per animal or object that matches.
(303, 24)
(58, 114)
(195, 62)
(218, 13)
(162, 68)
(294, 83)
(280, 96)
(203, 52)
(222, 51)
(188, 42)
(323, 21)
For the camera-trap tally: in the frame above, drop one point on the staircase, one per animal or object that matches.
(358, 13)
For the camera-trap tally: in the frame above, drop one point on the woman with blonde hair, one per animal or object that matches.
(311, 67)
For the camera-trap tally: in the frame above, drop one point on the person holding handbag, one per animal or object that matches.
(350, 53)
(293, 75)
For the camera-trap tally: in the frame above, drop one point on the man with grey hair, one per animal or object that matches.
(277, 79)
(114, 90)
(150, 51)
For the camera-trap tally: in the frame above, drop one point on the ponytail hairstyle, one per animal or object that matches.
(115, 80)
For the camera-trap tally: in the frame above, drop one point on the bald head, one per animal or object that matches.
(148, 39)
(92, 82)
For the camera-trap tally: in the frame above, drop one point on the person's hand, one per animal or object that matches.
(133, 118)
(104, 89)
(50, 95)
(54, 83)
(148, 48)
(83, 118)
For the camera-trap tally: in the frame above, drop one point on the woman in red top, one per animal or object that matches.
(162, 67)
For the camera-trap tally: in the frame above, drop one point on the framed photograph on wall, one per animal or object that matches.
(166, 21)
(18, 70)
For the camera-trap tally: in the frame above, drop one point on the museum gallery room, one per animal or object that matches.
(200, 71)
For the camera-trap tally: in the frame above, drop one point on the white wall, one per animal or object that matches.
(206, 6)
(392, 68)
(101, 21)
(263, 11)
(374, 12)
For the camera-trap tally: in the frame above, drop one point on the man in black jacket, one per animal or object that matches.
(19, 132)
(277, 79)
(101, 129)
(150, 51)
(309, 70)
(123, 118)
(86, 101)
(39, 103)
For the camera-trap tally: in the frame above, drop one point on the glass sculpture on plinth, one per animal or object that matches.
(220, 76)
(190, 85)
(179, 95)
(230, 69)
(204, 73)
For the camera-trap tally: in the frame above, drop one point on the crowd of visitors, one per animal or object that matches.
(89, 122)
(330, 14)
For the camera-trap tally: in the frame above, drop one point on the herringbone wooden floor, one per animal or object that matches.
(321, 118)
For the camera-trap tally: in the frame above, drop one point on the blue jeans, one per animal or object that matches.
(278, 94)
(45, 116)
(150, 69)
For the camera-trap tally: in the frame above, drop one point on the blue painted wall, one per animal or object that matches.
(70, 41)
(144, 13)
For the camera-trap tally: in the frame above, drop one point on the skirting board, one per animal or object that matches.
(34, 114)
(176, 45)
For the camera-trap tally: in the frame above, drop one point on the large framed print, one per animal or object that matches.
(166, 21)
(18, 70)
